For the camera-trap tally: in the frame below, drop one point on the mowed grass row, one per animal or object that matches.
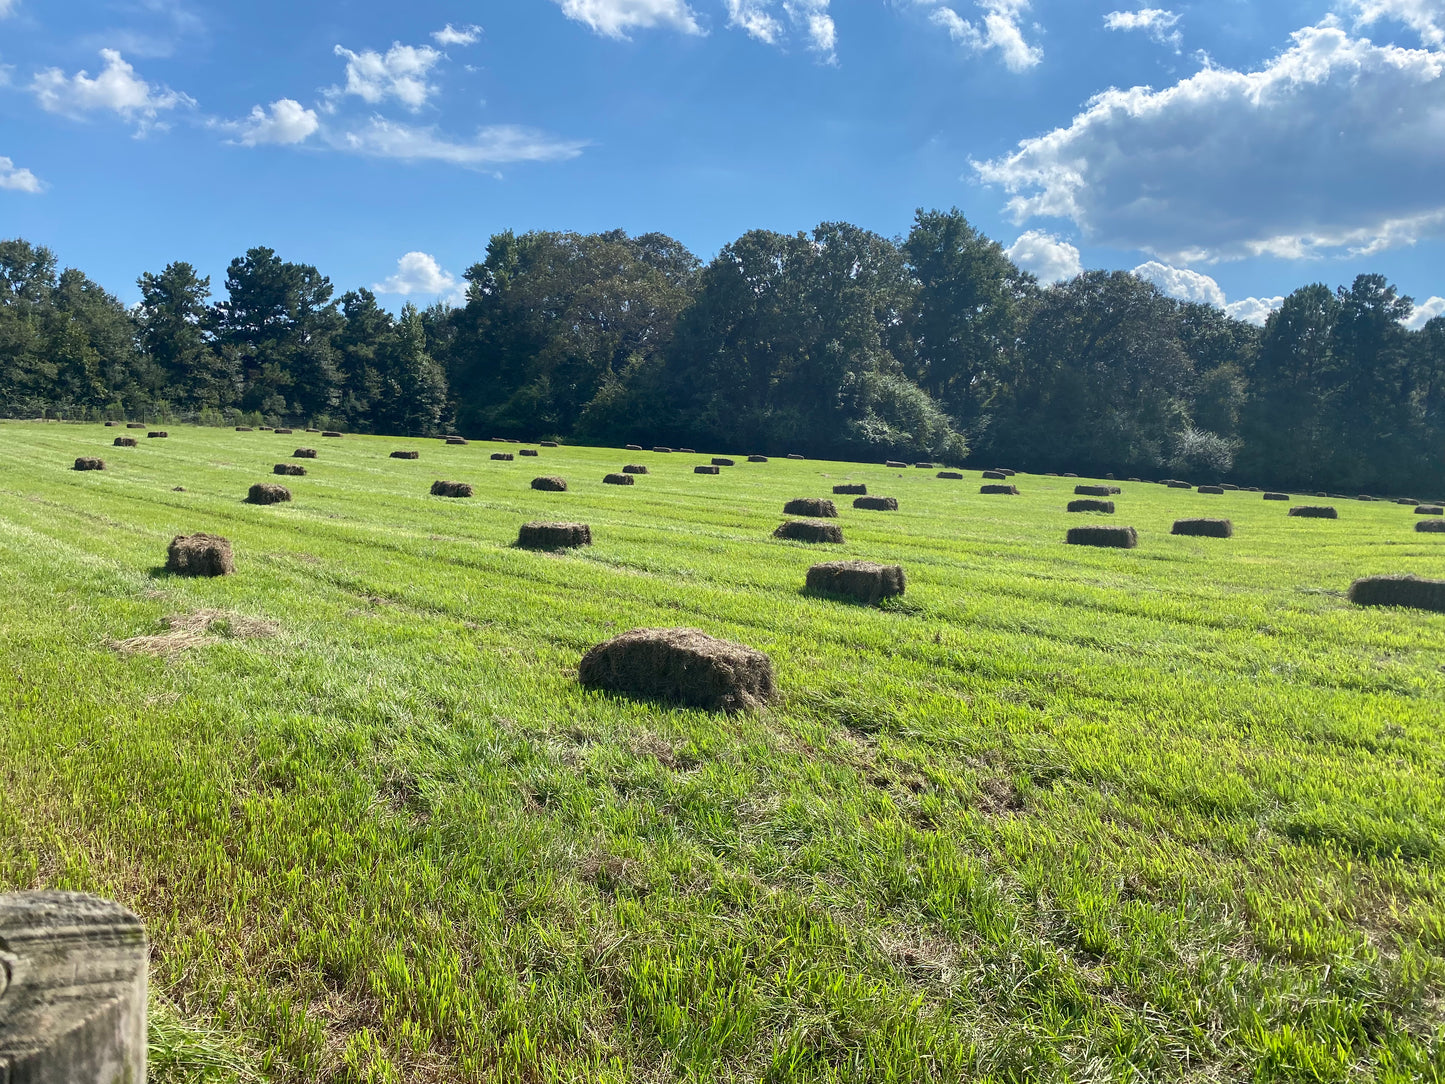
(1172, 813)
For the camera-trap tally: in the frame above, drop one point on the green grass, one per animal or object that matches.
(1170, 814)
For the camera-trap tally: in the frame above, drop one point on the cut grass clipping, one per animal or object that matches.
(862, 581)
(680, 666)
(554, 536)
(1204, 528)
(807, 530)
(1406, 590)
(1122, 538)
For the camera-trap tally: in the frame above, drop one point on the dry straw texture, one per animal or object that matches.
(664, 450)
(877, 504)
(1204, 528)
(1092, 506)
(1176, 484)
(1212, 490)
(1314, 511)
(1411, 591)
(244, 429)
(284, 432)
(620, 480)
(681, 666)
(805, 530)
(440, 488)
(554, 536)
(794, 455)
(633, 448)
(1430, 526)
(861, 580)
(330, 433)
(187, 631)
(550, 483)
(1123, 538)
(268, 493)
(548, 443)
(817, 507)
(527, 451)
(135, 425)
(895, 464)
(200, 555)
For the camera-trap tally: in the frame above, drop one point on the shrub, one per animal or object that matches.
(268, 493)
(1203, 451)
(1408, 591)
(681, 666)
(804, 530)
(550, 483)
(1124, 538)
(450, 489)
(817, 507)
(862, 580)
(886, 504)
(200, 555)
(1106, 507)
(554, 536)
(1204, 528)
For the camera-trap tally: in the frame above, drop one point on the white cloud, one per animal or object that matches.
(7, 7)
(1424, 312)
(400, 73)
(614, 18)
(1159, 24)
(1335, 145)
(1254, 310)
(17, 180)
(453, 35)
(1000, 30)
(1426, 17)
(419, 273)
(1051, 258)
(284, 121)
(493, 146)
(810, 18)
(116, 89)
(1182, 283)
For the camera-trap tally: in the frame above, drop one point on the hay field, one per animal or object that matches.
(1167, 814)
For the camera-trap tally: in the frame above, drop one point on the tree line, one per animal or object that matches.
(835, 343)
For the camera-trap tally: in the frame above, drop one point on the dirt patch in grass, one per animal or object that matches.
(192, 630)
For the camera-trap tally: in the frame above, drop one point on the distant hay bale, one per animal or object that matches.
(634, 468)
(87, 462)
(1364, 497)
(125, 442)
(527, 451)
(456, 441)
(1409, 590)
(304, 453)
(1093, 491)
(267, 493)
(1106, 507)
(200, 555)
(1204, 528)
(880, 504)
(283, 432)
(1228, 488)
(244, 429)
(1314, 511)
(718, 461)
(664, 450)
(157, 434)
(633, 448)
(135, 425)
(619, 480)
(861, 580)
(1407, 500)
(554, 536)
(681, 666)
(995, 475)
(1252, 489)
(1006, 472)
(266, 429)
(806, 530)
(1276, 496)
(817, 507)
(405, 455)
(997, 490)
(1176, 484)
(293, 469)
(1429, 510)
(440, 488)
(110, 424)
(895, 465)
(706, 469)
(757, 459)
(924, 466)
(503, 457)
(550, 483)
(688, 451)
(1122, 538)
(1212, 490)
(1109, 477)
(313, 430)
(950, 475)
(850, 489)
(1114, 491)
(1070, 475)
(1135, 479)
(1430, 526)
(1321, 494)
(553, 444)
(794, 456)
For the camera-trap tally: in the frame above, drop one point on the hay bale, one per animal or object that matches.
(995, 475)
(527, 451)
(1409, 590)
(1364, 497)
(109, 425)
(125, 442)
(406, 455)
(619, 480)
(1429, 510)
(1135, 479)
(862, 580)
(817, 507)
(1176, 484)
(503, 457)
(850, 490)
(796, 457)
(997, 490)
(1321, 494)
(450, 489)
(304, 453)
(633, 448)
(88, 462)
(1114, 491)
(283, 432)
(266, 429)
(550, 483)
(877, 504)
(313, 430)
(553, 444)
(681, 666)
(1212, 490)
(1228, 488)
(135, 425)
(456, 441)
(1093, 491)
(200, 555)
(895, 465)
(634, 468)
(267, 493)
(1006, 472)
(706, 469)
(1122, 538)
(157, 434)
(1070, 475)
(1407, 500)
(688, 451)
(1276, 496)
(808, 530)
(330, 433)
(924, 466)
(1314, 511)
(554, 536)
(951, 475)
(1430, 526)
(1204, 528)
(1106, 507)
(663, 450)
(293, 469)
(757, 459)
(244, 429)
(720, 462)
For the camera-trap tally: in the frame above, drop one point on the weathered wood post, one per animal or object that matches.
(72, 990)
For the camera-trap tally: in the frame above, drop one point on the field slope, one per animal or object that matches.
(1169, 814)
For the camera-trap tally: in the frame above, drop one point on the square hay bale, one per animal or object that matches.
(706, 469)
(757, 459)
(1135, 479)
(719, 461)
(950, 475)
(924, 466)
(995, 475)
(456, 441)
(1407, 500)
(330, 433)
(527, 451)
(125, 442)
(796, 456)
(200, 555)
(108, 425)
(554, 536)
(266, 429)
(503, 457)
(1093, 491)
(313, 430)
(550, 444)
(1114, 491)
(681, 666)
(1364, 497)
(157, 434)
(998, 490)
(1070, 475)
(89, 462)
(244, 429)
(267, 493)
(809, 530)
(296, 470)
(135, 425)
(284, 432)
(440, 488)
(1122, 538)
(894, 464)
(861, 580)
(1212, 490)
(633, 448)
(1176, 484)
(850, 490)
(1410, 590)
(1107, 507)
(1430, 526)
(1204, 528)
(405, 455)
(304, 453)
(688, 451)
(1314, 511)
(634, 468)
(550, 483)
(817, 507)
(1429, 510)
(620, 479)
(663, 450)
(1006, 472)
(877, 504)
(1228, 488)
(1276, 496)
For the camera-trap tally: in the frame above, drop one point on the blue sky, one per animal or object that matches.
(1230, 150)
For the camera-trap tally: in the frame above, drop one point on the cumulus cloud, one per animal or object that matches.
(1424, 312)
(1050, 258)
(1333, 146)
(809, 18)
(1182, 283)
(285, 121)
(1254, 310)
(491, 147)
(401, 73)
(1425, 17)
(1156, 22)
(452, 35)
(614, 18)
(16, 179)
(420, 273)
(117, 89)
(999, 29)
